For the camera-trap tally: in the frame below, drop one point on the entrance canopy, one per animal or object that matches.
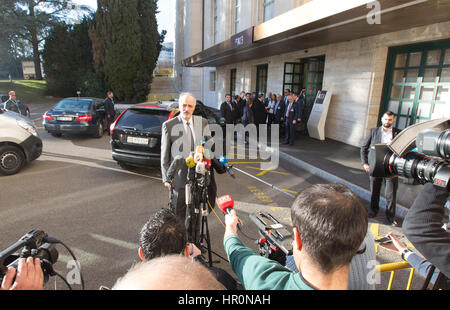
(321, 22)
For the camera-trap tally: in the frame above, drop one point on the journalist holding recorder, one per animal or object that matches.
(330, 223)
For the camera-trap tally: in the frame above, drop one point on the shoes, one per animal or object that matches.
(284, 142)
(392, 221)
(372, 213)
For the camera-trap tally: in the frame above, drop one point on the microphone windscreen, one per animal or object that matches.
(190, 162)
(225, 202)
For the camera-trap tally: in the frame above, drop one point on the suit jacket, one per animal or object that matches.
(227, 113)
(300, 105)
(11, 105)
(374, 137)
(293, 113)
(109, 106)
(247, 116)
(259, 112)
(172, 136)
(280, 112)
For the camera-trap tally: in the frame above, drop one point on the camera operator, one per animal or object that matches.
(330, 223)
(423, 226)
(164, 234)
(29, 276)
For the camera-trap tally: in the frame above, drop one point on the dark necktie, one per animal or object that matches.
(190, 136)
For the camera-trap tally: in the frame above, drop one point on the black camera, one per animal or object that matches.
(33, 244)
(424, 159)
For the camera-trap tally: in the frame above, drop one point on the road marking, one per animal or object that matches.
(264, 171)
(117, 242)
(83, 257)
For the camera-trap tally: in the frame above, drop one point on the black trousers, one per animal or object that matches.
(390, 193)
(289, 133)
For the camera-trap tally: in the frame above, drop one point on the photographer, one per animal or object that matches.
(163, 235)
(330, 223)
(29, 276)
(423, 226)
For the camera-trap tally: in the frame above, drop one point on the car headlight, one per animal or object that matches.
(28, 127)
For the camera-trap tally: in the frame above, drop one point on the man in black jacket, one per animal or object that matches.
(383, 134)
(109, 109)
(228, 110)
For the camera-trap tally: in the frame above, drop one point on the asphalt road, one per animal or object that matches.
(75, 192)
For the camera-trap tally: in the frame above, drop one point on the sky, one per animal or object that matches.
(165, 17)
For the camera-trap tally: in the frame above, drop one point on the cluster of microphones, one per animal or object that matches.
(200, 161)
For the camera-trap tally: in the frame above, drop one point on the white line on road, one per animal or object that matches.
(117, 242)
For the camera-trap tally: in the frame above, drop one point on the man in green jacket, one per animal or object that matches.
(330, 223)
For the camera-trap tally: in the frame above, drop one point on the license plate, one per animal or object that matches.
(137, 140)
(64, 118)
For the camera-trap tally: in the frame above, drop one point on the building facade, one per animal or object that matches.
(373, 56)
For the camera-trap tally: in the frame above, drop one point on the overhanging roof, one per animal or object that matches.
(322, 22)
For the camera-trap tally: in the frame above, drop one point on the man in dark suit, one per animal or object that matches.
(285, 98)
(291, 116)
(191, 129)
(279, 110)
(228, 110)
(109, 109)
(383, 134)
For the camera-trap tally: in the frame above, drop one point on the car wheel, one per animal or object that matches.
(57, 135)
(12, 160)
(100, 130)
(123, 165)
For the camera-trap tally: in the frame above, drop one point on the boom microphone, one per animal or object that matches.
(224, 161)
(174, 167)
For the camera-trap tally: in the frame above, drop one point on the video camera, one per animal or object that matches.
(36, 244)
(421, 152)
(275, 238)
(33, 244)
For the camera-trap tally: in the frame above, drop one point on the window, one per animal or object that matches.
(212, 81)
(261, 79)
(268, 7)
(233, 83)
(293, 76)
(418, 87)
(237, 16)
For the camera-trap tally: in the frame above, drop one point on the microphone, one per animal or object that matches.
(198, 156)
(207, 162)
(226, 204)
(190, 162)
(174, 167)
(224, 162)
(200, 168)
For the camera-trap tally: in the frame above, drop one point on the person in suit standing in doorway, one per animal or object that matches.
(382, 134)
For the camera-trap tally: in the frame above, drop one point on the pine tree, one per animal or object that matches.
(123, 48)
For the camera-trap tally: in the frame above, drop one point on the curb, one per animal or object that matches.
(401, 211)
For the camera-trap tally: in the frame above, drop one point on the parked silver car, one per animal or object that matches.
(19, 142)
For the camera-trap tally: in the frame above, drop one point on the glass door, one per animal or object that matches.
(418, 83)
(261, 79)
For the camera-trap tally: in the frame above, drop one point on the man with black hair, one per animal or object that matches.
(109, 110)
(164, 234)
(382, 134)
(330, 223)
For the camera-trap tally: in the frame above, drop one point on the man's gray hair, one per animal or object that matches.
(183, 97)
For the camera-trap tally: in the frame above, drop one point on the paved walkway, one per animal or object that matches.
(338, 162)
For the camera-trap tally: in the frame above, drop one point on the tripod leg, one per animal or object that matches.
(208, 241)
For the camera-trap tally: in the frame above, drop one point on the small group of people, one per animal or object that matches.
(252, 108)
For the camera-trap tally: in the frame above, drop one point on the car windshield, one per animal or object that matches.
(80, 105)
(149, 120)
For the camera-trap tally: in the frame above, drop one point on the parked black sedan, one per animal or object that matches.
(76, 115)
(136, 133)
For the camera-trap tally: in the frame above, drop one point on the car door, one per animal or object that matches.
(100, 111)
